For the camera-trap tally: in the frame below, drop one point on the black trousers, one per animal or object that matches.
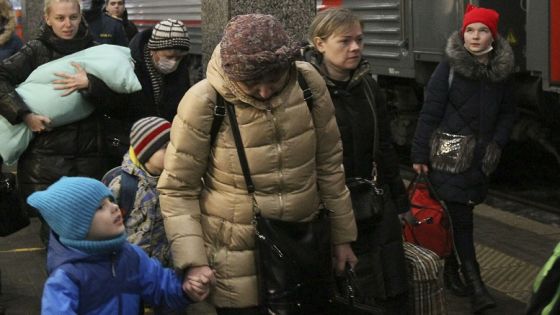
(463, 236)
(238, 311)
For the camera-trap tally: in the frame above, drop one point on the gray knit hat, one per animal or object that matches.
(169, 34)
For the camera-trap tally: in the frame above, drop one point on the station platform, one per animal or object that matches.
(511, 249)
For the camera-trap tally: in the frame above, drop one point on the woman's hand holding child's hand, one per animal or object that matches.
(198, 282)
(72, 82)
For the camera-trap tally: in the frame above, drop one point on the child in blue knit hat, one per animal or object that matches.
(92, 268)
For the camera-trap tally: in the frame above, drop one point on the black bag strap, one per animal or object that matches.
(240, 149)
(307, 94)
(219, 114)
(220, 109)
(371, 101)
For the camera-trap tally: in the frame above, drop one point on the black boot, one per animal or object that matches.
(480, 297)
(452, 278)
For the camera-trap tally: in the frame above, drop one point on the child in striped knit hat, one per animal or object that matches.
(134, 186)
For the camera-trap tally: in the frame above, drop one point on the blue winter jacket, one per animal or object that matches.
(81, 283)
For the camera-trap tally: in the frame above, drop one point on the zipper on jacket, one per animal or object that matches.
(278, 138)
(113, 259)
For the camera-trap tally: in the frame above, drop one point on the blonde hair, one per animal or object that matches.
(331, 21)
(48, 4)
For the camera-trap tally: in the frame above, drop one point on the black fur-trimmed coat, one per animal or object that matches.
(476, 101)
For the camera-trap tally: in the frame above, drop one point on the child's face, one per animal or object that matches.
(107, 222)
(155, 163)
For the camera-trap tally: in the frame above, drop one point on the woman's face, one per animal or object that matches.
(266, 87)
(342, 50)
(477, 37)
(64, 19)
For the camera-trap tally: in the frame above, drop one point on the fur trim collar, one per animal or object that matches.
(499, 67)
(8, 27)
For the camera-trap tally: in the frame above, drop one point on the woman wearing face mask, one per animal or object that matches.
(74, 149)
(162, 68)
(469, 94)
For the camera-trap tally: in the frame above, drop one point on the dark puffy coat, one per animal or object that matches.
(70, 150)
(10, 47)
(129, 27)
(174, 85)
(379, 246)
(476, 101)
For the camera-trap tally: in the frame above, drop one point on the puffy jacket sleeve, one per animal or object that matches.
(160, 286)
(330, 172)
(431, 114)
(60, 295)
(180, 183)
(14, 71)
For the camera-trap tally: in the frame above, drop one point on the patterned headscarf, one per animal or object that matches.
(254, 45)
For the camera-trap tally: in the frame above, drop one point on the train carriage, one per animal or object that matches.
(404, 41)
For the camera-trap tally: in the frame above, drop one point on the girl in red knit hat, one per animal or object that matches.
(465, 122)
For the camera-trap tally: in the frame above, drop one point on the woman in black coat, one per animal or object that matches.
(75, 149)
(469, 94)
(361, 114)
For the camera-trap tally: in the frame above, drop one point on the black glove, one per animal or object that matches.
(491, 158)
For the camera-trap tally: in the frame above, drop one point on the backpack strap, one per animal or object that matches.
(110, 175)
(220, 108)
(127, 194)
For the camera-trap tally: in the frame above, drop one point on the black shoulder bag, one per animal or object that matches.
(368, 199)
(12, 216)
(293, 259)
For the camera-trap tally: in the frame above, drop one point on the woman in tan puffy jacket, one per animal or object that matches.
(295, 158)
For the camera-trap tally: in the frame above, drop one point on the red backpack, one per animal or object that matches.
(432, 229)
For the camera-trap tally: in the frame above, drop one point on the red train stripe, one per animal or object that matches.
(188, 23)
(554, 42)
(330, 3)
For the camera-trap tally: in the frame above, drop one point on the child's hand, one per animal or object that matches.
(198, 281)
